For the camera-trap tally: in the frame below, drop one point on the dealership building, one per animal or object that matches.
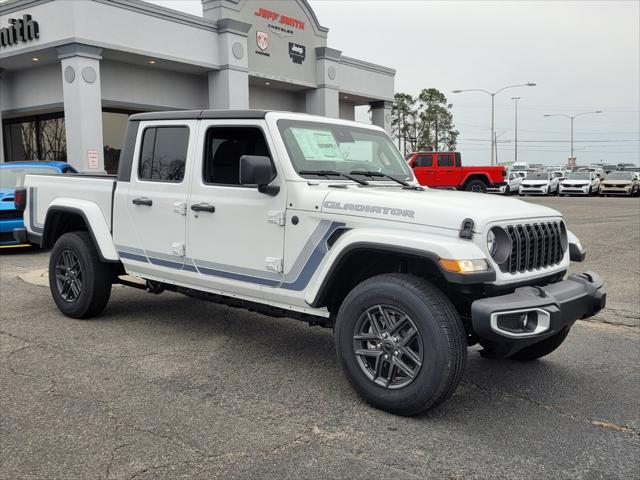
(72, 71)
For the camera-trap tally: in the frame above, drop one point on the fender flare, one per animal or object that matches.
(484, 177)
(346, 245)
(93, 219)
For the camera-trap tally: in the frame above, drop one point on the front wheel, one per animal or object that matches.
(80, 282)
(400, 343)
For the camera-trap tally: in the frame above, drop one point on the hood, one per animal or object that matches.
(526, 181)
(431, 207)
(576, 182)
(6, 198)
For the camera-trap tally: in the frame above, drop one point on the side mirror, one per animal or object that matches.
(258, 170)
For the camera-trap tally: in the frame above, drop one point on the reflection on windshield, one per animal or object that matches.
(538, 176)
(579, 176)
(346, 149)
(14, 177)
(619, 176)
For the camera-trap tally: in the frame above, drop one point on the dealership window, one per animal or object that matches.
(164, 154)
(114, 126)
(40, 137)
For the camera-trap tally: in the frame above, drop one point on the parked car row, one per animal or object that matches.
(586, 181)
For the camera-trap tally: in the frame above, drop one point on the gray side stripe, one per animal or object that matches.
(296, 279)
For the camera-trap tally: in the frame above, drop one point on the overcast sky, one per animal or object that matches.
(582, 55)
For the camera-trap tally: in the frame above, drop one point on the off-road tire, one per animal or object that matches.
(477, 186)
(541, 349)
(96, 276)
(441, 338)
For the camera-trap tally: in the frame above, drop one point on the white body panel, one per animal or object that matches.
(90, 195)
(252, 247)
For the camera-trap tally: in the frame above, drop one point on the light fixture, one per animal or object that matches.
(35, 59)
(152, 62)
(346, 97)
(267, 83)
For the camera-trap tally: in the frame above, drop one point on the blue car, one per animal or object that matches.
(12, 176)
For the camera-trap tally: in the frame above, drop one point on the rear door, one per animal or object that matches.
(150, 209)
(448, 174)
(423, 170)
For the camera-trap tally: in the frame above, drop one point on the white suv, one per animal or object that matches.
(580, 183)
(539, 183)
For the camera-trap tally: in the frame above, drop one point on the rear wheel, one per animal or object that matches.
(477, 186)
(80, 283)
(400, 343)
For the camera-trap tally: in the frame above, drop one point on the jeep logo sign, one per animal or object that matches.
(297, 52)
(19, 30)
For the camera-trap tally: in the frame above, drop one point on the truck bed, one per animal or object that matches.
(44, 191)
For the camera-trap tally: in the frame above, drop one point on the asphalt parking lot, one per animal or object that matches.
(170, 387)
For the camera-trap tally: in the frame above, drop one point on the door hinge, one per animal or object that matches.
(277, 217)
(274, 264)
(180, 207)
(178, 249)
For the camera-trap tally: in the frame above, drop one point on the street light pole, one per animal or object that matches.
(516, 137)
(493, 96)
(572, 118)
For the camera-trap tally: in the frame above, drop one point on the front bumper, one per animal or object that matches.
(527, 190)
(531, 314)
(607, 190)
(574, 190)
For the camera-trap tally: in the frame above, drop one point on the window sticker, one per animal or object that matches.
(317, 144)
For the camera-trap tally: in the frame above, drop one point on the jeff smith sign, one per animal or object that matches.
(19, 30)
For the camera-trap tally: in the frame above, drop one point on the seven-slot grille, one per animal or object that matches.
(533, 246)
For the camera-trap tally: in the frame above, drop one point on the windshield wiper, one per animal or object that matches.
(374, 174)
(332, 173)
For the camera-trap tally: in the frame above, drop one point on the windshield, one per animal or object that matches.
(579, 176)
(538, 176)
(316, 146)
(620, 176)
(14, 176)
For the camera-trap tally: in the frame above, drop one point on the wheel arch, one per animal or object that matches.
(476, 176)
(346, 271)
(61, 219)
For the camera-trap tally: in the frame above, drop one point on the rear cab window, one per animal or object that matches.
(163, 153)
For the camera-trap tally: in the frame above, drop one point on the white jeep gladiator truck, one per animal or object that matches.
(318, 219)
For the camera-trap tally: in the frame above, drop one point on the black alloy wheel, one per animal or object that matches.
(68, 276)
(387, 346)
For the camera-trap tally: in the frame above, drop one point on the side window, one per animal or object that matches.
(423, 161)
(223, 148)
(445, 160)
(164, 154)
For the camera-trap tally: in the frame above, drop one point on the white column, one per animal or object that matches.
(381, 114)
(1, 129)
(229, 86)
(324, 100)
(82, 106)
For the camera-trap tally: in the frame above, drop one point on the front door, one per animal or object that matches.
(235, 232)
(150, 210)
(424, 171)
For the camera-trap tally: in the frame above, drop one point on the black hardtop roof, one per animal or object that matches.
(198, 114)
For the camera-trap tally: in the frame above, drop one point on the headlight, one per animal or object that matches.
(492, 244)
(499, 244)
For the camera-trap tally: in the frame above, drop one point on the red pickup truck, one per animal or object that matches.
(444, 169)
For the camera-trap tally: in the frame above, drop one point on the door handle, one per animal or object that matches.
(203, 207)
(142, 201)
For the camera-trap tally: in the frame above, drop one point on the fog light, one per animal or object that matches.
(521, 323)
